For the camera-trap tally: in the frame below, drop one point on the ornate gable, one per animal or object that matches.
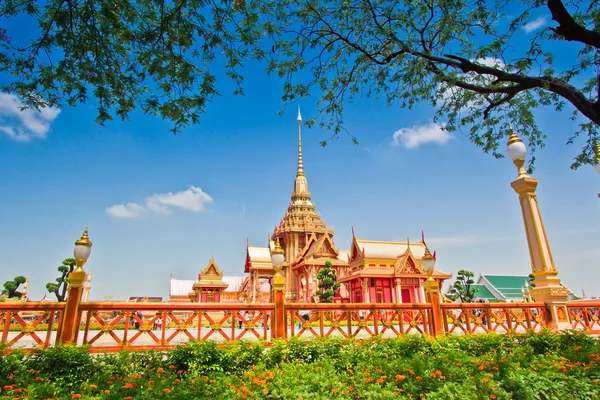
(210, 276)
(308, 248)
(356, 253)
(211, 272)
(325, 248)
(407, 264)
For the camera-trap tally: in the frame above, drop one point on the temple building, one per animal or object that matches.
(370, 271)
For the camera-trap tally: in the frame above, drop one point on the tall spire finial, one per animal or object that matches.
(300, 163)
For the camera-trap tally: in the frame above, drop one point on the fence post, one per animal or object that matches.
(70, 317)
(71, 311)
(432, 289)
(279, 330)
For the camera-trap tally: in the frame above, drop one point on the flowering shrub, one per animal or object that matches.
(534, 366)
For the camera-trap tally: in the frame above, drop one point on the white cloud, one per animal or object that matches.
(192, 199)
(24, 124)
(536, 24)
(127, 210)
(416, 135)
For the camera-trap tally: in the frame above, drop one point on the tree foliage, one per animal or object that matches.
(11, 288)
(481, 63)
(462, 288)
(328, 284)
(59, 289)
(531, 280)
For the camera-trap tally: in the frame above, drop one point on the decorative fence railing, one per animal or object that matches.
(357, 320)
(585, 315)
(35, 324)
(118, 326)
(109, 327)
(493, 317)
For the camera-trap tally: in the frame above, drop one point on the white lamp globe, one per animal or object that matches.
(277, 259)
(428, 263)
(517, 151)
(83, 247)
(82, 252)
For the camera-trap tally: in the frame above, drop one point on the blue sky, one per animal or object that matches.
(228, 180)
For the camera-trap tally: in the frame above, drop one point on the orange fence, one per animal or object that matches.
(357, 320)
(493, 317)
(585, 315)
(36, 323)
(116, 326)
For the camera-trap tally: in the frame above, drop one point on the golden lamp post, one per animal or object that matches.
(548, 288)
(83, 248)
(277, 260)
(432, 290)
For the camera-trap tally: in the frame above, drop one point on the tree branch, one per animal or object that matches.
(569, 28)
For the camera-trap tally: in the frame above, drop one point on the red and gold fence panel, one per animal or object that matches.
(585, 315)
(467, 318)
(117, 326)
(356, 320)
(30, 325)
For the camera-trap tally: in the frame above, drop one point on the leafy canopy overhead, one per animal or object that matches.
(482, 64)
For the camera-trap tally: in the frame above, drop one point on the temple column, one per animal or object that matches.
(399, 291)
(254, 287)
(366, 292)
(421, 291)
(548, 288)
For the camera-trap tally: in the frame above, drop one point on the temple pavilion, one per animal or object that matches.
(370, 271)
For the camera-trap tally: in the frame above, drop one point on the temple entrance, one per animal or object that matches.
(405, 294)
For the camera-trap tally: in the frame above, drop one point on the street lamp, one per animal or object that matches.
(548, 288)
(71, 317)
(278, 320)
(432, 288)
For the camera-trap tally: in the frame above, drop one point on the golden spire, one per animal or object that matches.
(300, 164)
(300, 183)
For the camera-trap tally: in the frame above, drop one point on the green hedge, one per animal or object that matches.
(533, 366)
